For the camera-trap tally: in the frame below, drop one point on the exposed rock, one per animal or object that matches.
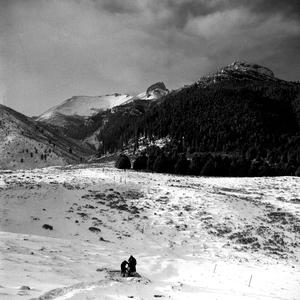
(157, 89)
(94, 229)
(48, 227)
(242, 66)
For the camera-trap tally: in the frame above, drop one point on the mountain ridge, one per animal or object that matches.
(240, 111)
(87, 106)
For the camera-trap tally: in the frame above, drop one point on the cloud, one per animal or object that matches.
(51, 50)
(118, 6)
(236, 24)
(288, 8)
(2, 93)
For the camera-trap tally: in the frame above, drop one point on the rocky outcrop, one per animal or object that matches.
(241, 70)
(157, 89)
(242, 66)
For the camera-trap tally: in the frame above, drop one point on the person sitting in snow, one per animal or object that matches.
(124, 268)
(131, 266)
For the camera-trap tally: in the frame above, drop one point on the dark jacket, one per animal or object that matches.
(123, 266)
(132, 264)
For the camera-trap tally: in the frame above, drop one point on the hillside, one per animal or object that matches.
(27, 144)
(240, 121)
(64, 232)
(241, 118)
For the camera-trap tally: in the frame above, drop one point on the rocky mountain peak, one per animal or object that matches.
(242, 66)
(239, 70)
(158, 87)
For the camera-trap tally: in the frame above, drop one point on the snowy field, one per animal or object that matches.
(65, 231)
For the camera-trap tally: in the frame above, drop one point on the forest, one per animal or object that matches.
(238, 127)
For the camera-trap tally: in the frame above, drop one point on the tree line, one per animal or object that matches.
(232, 128)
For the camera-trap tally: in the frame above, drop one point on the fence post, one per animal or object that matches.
(250, 281)
(215, 268)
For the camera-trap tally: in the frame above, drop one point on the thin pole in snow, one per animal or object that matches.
(215, 268)
(250, 281)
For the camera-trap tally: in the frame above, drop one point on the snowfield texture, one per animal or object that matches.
(85, 106)
(65, 231)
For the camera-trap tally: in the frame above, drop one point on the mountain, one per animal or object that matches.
(25, 143)
(81, 117)
(241, 121)
(84, 106)
(87, 106)
(73, 118)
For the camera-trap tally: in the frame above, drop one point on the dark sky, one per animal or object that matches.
(51, 50)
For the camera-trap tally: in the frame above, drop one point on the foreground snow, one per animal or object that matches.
(194, 238)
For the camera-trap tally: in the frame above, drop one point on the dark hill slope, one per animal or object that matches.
(237, 112)
(26, 143)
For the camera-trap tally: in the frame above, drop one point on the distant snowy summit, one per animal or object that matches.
(86, 106)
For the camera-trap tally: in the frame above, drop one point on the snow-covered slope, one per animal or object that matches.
(82, 117)
(194, 238)
(85, 105)
(27, 144)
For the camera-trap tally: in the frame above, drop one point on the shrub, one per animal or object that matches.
(140, 163)
(162, 164)
(153, 152)
(123, 162)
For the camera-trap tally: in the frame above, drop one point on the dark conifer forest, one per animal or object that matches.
(240, 126)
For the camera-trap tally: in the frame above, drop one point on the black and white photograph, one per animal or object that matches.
(150, 149)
